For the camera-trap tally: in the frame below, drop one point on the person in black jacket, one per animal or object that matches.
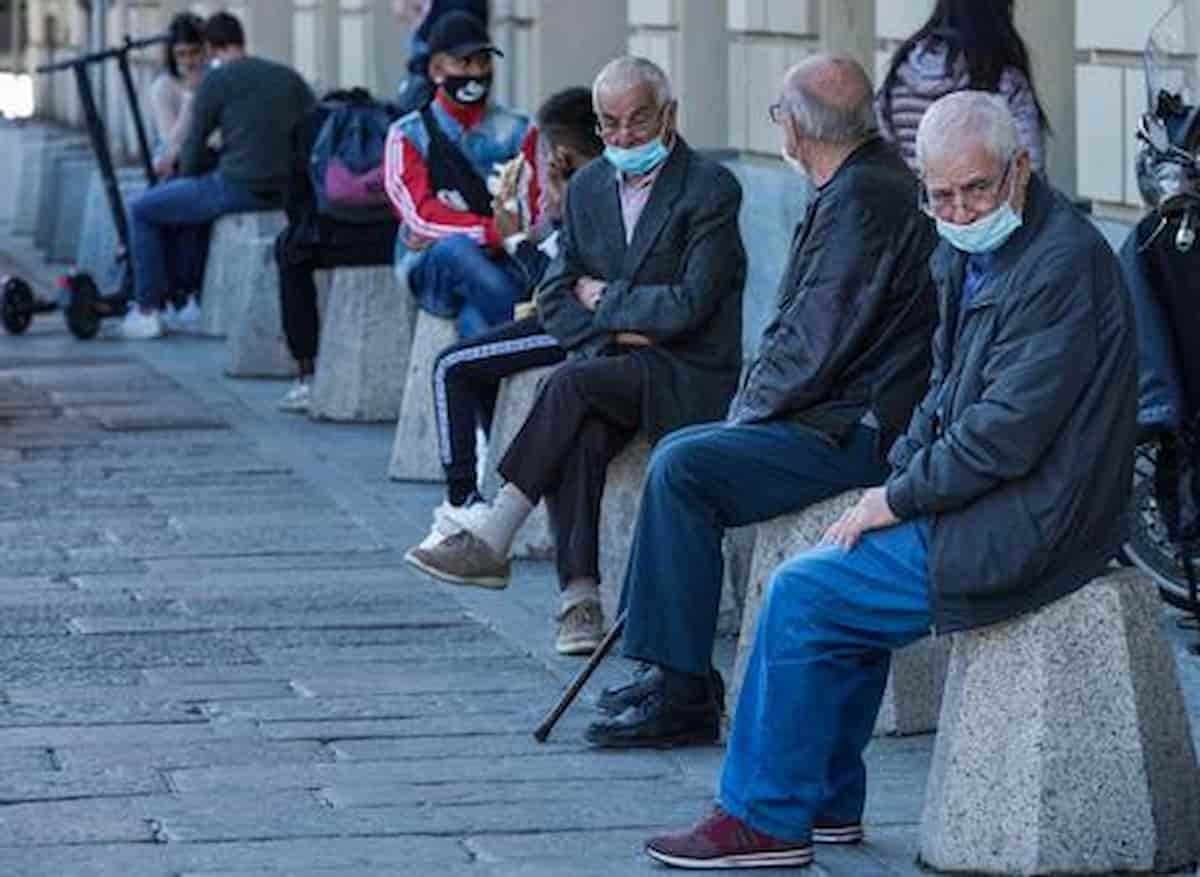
(839, 370)
(1007, 492)
(646, 297)
(312, 241)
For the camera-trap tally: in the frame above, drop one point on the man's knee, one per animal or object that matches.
(679, 458)
(452, 249)
(797, 584)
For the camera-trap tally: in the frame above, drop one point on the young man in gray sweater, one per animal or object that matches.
(254, 104)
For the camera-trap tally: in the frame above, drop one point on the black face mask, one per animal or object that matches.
(467, 89)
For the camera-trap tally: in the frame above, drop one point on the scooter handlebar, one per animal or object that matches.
(129, 45)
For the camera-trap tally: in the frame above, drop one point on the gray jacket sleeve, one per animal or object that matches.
(560, 312)
(1039, 362)
(711, 258)
(206, 118)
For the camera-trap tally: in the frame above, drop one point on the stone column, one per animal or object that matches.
(848, 28)
(316, 49)
(690, 40)
(572, 39)
(268, 30)
(14, 32)
(373, 46)
(1049, 32)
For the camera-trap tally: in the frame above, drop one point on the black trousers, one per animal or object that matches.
(586, 412)
(466, 378)
(343, 245)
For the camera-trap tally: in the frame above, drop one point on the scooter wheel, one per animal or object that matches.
(16, 305)
(81, 314)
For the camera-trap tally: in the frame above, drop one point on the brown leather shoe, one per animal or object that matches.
(462, 559)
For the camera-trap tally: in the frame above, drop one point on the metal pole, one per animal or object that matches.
(99, 44)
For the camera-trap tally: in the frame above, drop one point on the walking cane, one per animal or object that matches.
(543, 730)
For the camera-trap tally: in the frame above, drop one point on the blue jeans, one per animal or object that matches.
(701, 480)
(815, 679)
(457, 278)
(156, 217)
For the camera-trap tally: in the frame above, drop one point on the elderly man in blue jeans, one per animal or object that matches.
(1005, 494)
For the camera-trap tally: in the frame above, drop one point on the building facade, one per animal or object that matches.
(725, 56)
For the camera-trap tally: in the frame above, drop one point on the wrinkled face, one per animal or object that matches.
(965, 185)
(189, 57)
(444, 65)
(633, 117)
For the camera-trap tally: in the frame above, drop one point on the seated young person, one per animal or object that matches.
(467, 375)
(312, 241)
(439, 158)
(255, 103)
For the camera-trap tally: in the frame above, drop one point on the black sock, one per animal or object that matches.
(460, 493)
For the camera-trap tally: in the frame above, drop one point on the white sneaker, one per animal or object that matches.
(187, 317)
(297, 398)
(448, 520)
(141, 326)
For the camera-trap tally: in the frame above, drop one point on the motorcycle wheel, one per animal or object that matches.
(16, 305)
(1149, 548)
(81, 313)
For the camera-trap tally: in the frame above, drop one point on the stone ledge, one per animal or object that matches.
(1063, 743)
(219, 294)
(415, 455)
(366, 337)
(914, 689)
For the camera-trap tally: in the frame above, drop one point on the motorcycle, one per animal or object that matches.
(1161, 263)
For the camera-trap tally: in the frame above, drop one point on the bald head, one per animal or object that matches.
(831, 100)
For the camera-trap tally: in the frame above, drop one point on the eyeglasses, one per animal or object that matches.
(640, 125)
(775, 113)
(975, 195)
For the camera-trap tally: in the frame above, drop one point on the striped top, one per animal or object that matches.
(923, 78)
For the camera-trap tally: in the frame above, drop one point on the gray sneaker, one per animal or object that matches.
(580, 628)
(462, 559)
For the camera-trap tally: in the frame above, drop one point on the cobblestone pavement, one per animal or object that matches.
(212, 660)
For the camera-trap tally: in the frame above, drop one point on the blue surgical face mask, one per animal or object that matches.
(637, 160)
(984, 235)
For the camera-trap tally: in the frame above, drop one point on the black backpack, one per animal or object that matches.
(346, 163)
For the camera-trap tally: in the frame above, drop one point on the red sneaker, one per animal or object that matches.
(724, 841)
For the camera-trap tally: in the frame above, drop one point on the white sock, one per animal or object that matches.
(499, 526)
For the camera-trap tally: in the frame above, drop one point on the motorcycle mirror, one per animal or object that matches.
(1152, 130)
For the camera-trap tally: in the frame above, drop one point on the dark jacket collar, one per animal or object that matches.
(949, 264)
(864, 152)
(668, 187)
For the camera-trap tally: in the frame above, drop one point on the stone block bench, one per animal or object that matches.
(36, 146)
(98, 239)
(914, 690)
(71, 201)
(513, 403)
(1063, 744)
(45, 209)
(219, 294)
(415, 455)
(255, 345)
(365, 340)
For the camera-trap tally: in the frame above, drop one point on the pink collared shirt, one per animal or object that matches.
(634, 197)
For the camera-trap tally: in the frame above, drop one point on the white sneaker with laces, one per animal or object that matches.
(297, 398)
(139, 325)
(187, 317)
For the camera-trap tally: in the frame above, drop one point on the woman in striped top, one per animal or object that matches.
(965, 44)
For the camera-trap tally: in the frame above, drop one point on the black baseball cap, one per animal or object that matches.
(460, 34)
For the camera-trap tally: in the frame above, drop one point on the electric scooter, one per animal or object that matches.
(83, 303)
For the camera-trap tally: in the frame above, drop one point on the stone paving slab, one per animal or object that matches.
(260, 686)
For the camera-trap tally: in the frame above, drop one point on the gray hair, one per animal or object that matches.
(967, 117)
(628, 72)
(823, 120)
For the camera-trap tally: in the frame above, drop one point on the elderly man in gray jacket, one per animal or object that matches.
(1007, 492)
(646, 296)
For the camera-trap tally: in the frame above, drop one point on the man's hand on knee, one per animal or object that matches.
(872, 512)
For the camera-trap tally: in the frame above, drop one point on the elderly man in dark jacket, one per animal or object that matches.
(838, 373)
(1006, 493)
(646, 296)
